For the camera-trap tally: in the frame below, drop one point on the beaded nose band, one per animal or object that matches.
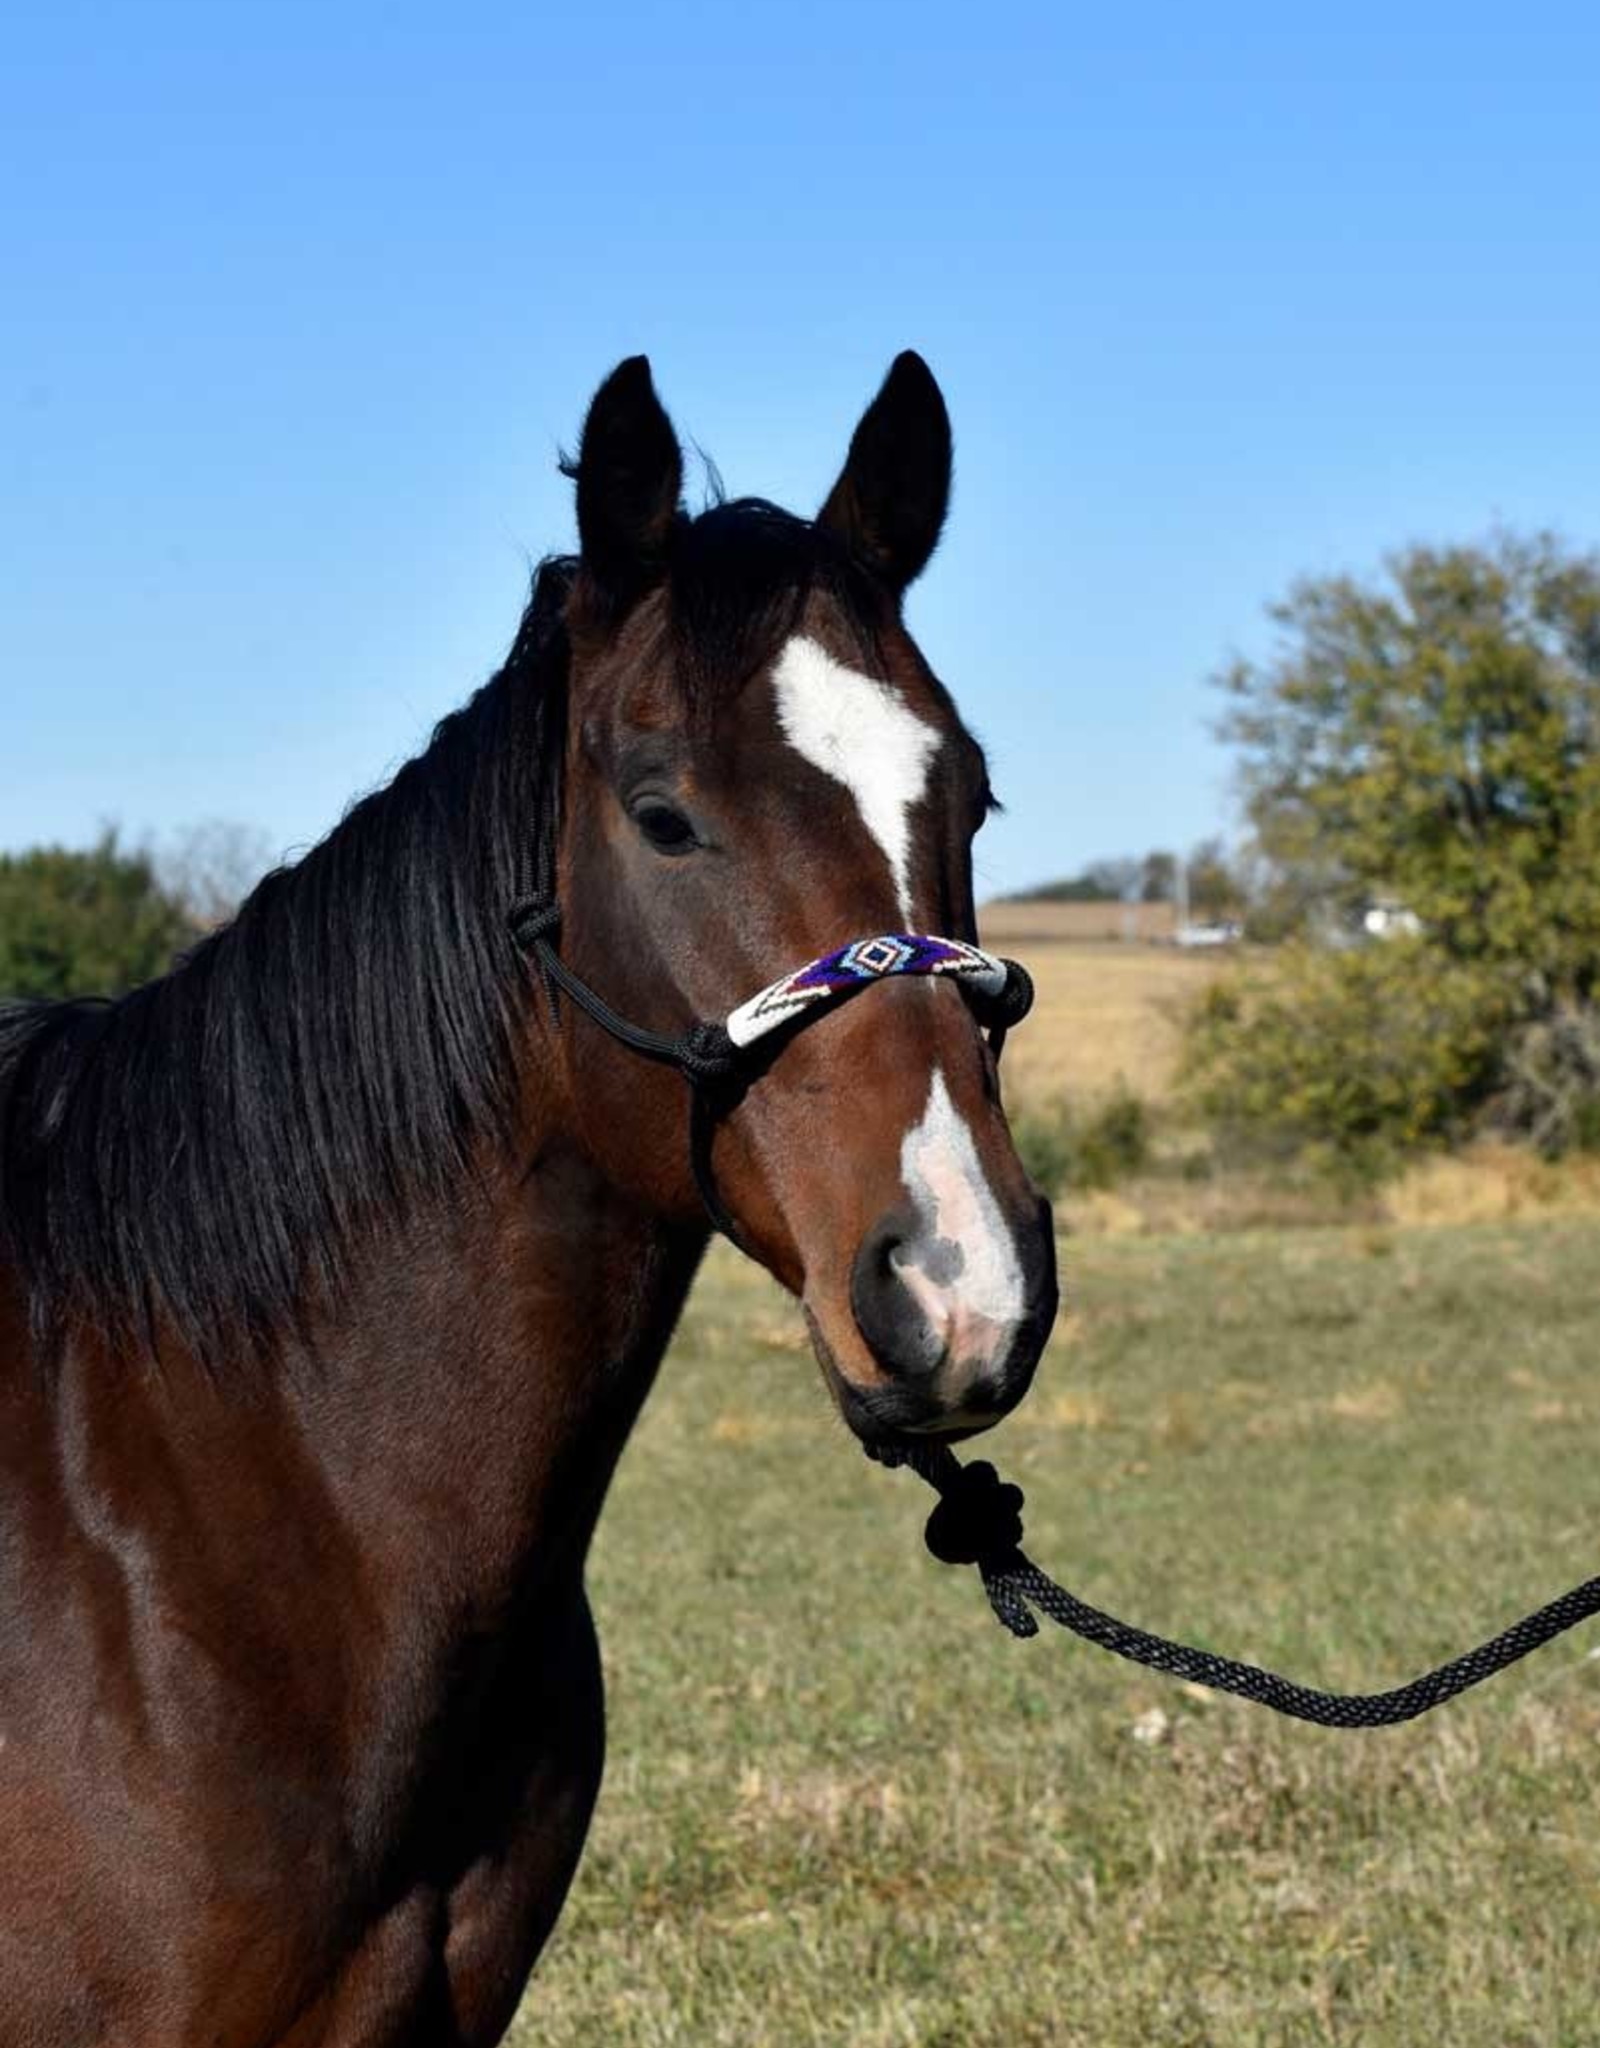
(851, 967)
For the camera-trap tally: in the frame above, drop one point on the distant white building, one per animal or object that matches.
(1226, 932)
(1388, 918)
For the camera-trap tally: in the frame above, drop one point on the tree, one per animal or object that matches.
(1431, 742)
(1158, 878)
(1214, 889)
(1070, 889)
(1115, 881)
(210, 868)
(1118, 880)
(85, 921)
(1435, 741)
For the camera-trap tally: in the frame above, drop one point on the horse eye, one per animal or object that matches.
(667, 830)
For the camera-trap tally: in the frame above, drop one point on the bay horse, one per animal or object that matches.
(336, 1264)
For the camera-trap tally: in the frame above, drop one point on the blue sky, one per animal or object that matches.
(296, 307)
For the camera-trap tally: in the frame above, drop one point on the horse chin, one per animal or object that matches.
(885, 1414)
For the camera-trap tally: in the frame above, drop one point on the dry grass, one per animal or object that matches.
(1485, 1184)
(1492, 1183)
(1167, 1204)
(1053, 924)
(1105, 1012)
(1488, 1183)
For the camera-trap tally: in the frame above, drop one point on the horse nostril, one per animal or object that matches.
(896, 1330)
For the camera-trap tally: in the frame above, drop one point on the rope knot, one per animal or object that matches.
(978, 1519)
(532, 921)
(706, 1053)
(1015, 1000)
(1007, 1007)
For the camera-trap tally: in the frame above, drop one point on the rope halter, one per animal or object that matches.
(717, 1056)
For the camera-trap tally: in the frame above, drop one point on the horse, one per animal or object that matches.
(336, 1264)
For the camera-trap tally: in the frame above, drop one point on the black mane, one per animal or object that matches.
(206, 1152)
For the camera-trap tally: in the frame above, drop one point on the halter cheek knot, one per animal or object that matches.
(707, 1054)
(531, 921)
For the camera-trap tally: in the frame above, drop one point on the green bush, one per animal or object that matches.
(1064, 1148)
(1113, 1140)
(84, 921)
(1364, 1055)
(1044, 1144)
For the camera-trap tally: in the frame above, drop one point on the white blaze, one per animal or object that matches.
(964, 1273)
(862, 733)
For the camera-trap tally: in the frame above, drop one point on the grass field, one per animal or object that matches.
(1032, 921)
(842, 1807)
(1105, 1011)
(1104, 1014)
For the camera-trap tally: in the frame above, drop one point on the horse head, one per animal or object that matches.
(760, 764)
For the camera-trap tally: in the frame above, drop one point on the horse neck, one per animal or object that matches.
(485, 1380)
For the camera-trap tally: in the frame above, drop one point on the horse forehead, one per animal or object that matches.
(860, 731)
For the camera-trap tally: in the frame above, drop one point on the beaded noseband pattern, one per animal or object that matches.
(848, 968)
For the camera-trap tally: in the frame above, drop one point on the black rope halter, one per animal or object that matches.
(719, 1057)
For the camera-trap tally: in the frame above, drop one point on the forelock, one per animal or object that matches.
(741, 578)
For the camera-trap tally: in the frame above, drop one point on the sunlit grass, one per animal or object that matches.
(842, 1807)
(1104, 1014)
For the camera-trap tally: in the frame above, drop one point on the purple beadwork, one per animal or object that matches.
(863, 960)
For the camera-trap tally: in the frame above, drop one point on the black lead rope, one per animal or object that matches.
(978, 1521)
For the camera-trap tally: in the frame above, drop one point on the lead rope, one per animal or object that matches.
(978, 1521)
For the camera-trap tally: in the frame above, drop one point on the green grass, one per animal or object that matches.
(843, 1807)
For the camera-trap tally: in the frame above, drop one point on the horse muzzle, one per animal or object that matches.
(939, 1346)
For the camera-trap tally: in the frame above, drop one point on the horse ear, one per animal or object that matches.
(629, 473)
(889, 503)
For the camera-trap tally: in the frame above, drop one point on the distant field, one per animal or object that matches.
(1107, 1009)
(1073, 923)
(844, 1811)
